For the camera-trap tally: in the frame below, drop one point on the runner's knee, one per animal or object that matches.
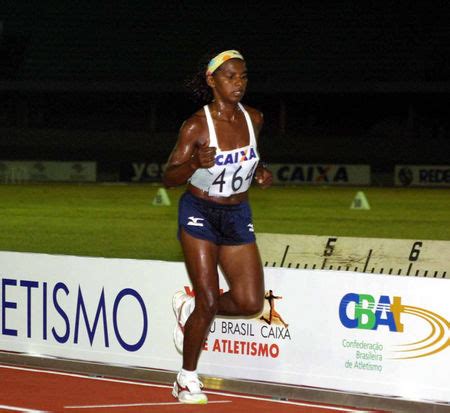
(250, 305)
(207, 305)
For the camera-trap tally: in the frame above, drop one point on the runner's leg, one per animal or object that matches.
(201, 262)
(241, 265)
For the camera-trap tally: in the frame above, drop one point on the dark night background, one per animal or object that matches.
(338, 82)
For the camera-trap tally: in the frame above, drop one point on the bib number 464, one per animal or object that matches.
(236, 179)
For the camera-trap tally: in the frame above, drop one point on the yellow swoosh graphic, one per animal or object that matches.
(439, 327)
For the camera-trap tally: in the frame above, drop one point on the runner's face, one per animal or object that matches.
(229, 82)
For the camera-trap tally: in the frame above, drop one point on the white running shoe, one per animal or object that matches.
(189, 390)
(182, 305)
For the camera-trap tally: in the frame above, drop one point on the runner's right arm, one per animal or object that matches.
(190, 153)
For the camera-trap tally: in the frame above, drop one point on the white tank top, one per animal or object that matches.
(233, 170)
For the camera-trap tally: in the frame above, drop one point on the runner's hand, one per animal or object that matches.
(263, 177)
(204, 156)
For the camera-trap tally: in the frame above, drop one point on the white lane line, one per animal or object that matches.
(105, 406)
(21, 409)
(86, 376)
(318, 406)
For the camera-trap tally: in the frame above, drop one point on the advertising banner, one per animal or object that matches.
(141, 171)
(284, 174)
(320, 174)
(422, 175)
(36, 171)
(329, 329)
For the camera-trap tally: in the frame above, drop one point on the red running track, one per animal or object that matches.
(36, 391)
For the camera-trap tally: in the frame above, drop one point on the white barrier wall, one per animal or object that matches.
(343, 330)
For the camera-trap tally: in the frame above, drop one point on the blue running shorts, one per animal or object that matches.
(220, 224)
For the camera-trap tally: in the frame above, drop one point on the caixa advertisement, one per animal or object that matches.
(320, 174)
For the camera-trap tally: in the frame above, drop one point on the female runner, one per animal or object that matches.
(216, 155)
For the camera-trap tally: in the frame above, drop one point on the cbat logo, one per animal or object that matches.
(236, 157)
(363, 311)
(370, 315)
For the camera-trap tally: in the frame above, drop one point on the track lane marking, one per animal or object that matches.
(58, 373)
(21, 409)
(104, 406)
(305, 404)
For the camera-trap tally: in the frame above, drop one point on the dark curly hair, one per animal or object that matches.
(197, 85)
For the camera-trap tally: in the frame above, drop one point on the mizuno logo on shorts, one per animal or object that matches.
(195, 222)
(250, 228)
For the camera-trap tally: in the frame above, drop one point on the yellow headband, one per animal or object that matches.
(215, 62)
